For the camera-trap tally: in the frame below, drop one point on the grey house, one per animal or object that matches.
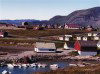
(45, 47)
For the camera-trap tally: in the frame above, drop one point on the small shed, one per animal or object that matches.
(67, 38)
(66, 46)
(61, 38)
(85, 48)
(98, 44)
(96, 38)
(78, 38)
(85, 38)
(45, 47)
(89, 34)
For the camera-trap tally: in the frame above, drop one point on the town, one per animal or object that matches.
(25, 45)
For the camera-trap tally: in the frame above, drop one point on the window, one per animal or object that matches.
(51, 49)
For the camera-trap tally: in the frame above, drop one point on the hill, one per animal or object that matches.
(81, 17)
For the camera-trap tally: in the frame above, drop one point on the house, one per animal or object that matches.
(68, 35)
(66, 39)
(89, 28)
(71, 26)
(98, 44)
(45, 47)
(3, 34)
(85, 48)
(89, 34)
(66, 46)
(61, 38)
(78, 37)
(84, 38)
(96, 38)
(92, 34)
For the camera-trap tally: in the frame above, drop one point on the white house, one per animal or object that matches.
(98, 44)
(85, 38)
(61, 38)
(66, 46)
(68, 35)
(71, 26)
(78, 38)
(66, 38)
(45, 47)
(96, 38)
(92, 34)
(89, 34)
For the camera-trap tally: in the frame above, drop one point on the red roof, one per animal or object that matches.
(73, 26)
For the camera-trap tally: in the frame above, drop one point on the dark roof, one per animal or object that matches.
(88, 43)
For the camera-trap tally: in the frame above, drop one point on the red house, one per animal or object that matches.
(86, 47)
(72, 26)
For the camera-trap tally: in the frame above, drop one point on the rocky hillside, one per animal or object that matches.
(82, 17)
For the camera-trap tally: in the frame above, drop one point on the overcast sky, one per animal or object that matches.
(42, 9)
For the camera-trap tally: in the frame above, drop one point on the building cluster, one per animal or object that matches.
(84, 44)
(85, 37)
(28, 25)
(6, 25)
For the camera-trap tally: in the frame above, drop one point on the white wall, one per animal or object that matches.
(84, 38)
(43, 50)
(96, 38)
(87, 53)
(78, 38)
(65, 46)
(66, 38)
(89, 34)
(1, 35)
(61, 38)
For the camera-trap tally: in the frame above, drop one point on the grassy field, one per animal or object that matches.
(21, 36)
(25, 42)
(42, 33)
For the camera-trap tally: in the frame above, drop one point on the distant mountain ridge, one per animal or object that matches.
(18, 22)
(82, 17)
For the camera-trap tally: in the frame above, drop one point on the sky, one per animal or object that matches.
(42, 9)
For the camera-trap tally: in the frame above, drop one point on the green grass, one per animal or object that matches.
(73, 53)
(14, 41)
(41, 33)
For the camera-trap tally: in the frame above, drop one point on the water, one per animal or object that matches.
(30, 70)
